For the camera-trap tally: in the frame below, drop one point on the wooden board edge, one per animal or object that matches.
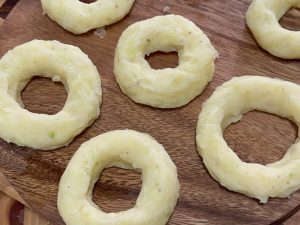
(6, 188)
(2, 2)
(7, 211)
(33, 218)
(6, 205)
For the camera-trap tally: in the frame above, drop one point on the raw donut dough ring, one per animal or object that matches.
(60, 62)
(165, 88)
(262, 18)
(160, 188)
(79, 17)
(227, 105)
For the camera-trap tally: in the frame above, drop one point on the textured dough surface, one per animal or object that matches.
(160, 188)
(227, 105)
(79, 17)
(170, 87)
(57, 61)
(262, 19)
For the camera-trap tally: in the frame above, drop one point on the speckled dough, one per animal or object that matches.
(128, 149)
(262, 18)
(79, 17)
(227, 105)
(60, 62)
(164, 88)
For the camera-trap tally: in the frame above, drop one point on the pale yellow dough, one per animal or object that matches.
(60, 62)
(127, 149)
(262, 18)
(227, 105)
(164, 88)
(79, 17)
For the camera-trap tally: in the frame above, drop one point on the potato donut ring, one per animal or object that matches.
(79, 17)
(227, 105)
(127, 149)
(164, 88)
(262, 19)
(60, 62)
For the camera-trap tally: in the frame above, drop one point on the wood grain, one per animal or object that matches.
(259, 137)
(294, 220)
(6, 188)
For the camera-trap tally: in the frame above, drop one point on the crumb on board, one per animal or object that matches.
(167, 9)
(100, 32)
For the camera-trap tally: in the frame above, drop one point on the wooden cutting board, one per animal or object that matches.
(259, 137)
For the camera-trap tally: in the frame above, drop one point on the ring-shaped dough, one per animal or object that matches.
(262, 18)
(227, 105)
(127, 149)
(79, 17)
(60, 62)
(164, 88)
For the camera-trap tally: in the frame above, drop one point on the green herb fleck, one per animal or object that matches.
(52, 134)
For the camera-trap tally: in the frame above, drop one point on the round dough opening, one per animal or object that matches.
(123, 192)
(167, 42)
(162, 60)
(36, 98)
(261, 137)
(88, 1)
(288, 20)
(117, 189)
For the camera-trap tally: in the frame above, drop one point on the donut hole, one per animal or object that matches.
(261, 137)
(291, 20)
(88, 1)
(42, 95)
(161, 60)
(117, 189)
